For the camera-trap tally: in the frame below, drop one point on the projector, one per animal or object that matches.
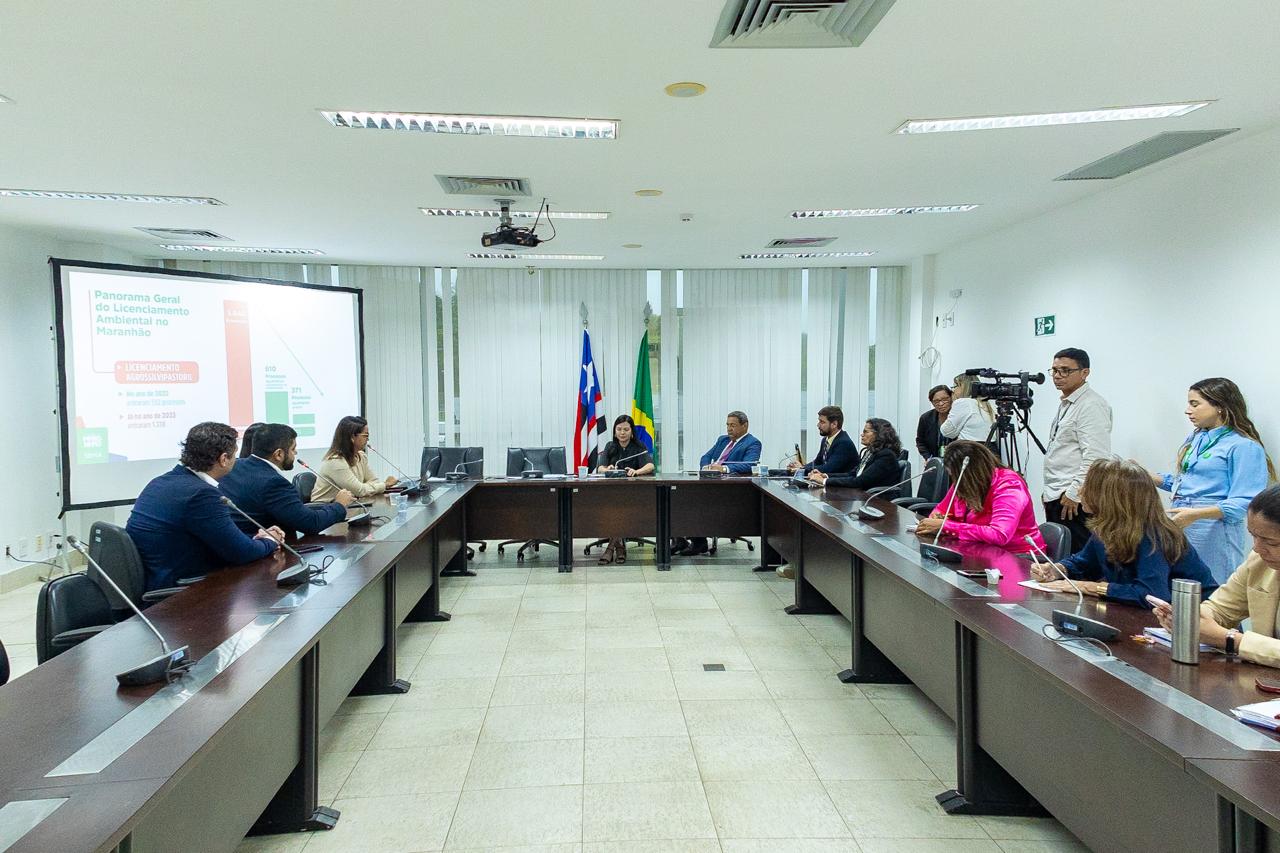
(506, 235)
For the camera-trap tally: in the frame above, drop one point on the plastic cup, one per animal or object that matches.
(582, 472)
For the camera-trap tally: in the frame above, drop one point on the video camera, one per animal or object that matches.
(1012, 387)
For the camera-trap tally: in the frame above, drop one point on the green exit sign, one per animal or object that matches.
(1045, 325)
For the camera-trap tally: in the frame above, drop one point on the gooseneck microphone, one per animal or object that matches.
(933, 550)
(159, 668)
(528, 472)
(1073, 624)
(355, 503)
(404, 478)
(621, 472)
(293, 576)
(865, 510)
(457, 474)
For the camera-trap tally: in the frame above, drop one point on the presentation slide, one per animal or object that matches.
(146, 354)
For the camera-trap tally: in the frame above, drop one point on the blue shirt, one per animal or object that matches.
(1221, 468)
(1149, 574)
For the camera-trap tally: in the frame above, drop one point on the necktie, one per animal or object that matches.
(725, 455)
(822, 452)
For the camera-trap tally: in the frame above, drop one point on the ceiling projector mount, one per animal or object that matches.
(509, 235)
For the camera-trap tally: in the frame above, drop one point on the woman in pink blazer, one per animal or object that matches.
(992, 505)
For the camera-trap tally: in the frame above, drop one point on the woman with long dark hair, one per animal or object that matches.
(246, 438)
(1220, 467)
(346, 463)
(877, 463)
(1134, 549)
(624, 453)
(992, 503)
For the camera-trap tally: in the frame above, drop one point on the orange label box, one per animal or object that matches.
(156, 372)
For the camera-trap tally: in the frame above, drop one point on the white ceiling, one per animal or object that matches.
(219, 99)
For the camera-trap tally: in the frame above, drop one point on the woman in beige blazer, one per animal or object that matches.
(346, 463)
(1252, 592)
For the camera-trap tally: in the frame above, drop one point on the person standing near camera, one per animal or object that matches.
(929, 438)
(971, 416)
(1079, 435)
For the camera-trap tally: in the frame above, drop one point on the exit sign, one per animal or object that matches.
(1045, 325)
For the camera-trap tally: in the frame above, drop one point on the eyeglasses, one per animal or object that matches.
(362, 435)
(1064, 371)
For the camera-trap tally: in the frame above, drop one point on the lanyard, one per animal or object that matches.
(1195, 454)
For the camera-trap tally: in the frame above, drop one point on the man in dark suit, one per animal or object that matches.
(179, 523)
(258, 486)
(838, 454)
(735, 452)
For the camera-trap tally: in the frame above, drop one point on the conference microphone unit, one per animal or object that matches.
(529, 472)
(622, 472)
(865, 510)
(1073, 624)
(294, 575)
(457, 475)
(412, 484)
(933, 550)
(159, 668)
(355, 503)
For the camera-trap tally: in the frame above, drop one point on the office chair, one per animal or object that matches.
(70, 610)
(1057, 539)
(715, 544)
(305, 483)
(931, 490)
(113, 549)
(438, 461)
(4, 665)
(548, 460)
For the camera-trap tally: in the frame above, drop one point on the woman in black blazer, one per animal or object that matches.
(878, 464)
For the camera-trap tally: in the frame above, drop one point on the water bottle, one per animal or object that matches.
(1186, 621)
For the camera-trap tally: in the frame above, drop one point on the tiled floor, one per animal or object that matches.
(572, 714)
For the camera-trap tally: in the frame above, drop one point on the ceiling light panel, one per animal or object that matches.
(477, 125)
(83, 196)
(786, 256)
(946, 125)
(507, 256)
(883, 211)
(242, 250)
(484, 213)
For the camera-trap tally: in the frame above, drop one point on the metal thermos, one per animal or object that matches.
(1186, 621)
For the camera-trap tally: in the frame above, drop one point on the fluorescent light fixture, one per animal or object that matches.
(944, 125)
(477, 125)
(508, 256)
(243, 250)
(774, 256)
(80, 196)
(485, 213)
(883, 211)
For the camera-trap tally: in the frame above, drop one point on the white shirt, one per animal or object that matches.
(967, 421)
(203, 476)
(279, 470)
(1079, 435)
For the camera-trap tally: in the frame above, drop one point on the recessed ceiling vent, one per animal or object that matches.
(798, 23)
(183, 233)
(799, 242)
(1162, 146)
(485, 186)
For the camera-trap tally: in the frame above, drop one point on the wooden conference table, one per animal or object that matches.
(1130, 753)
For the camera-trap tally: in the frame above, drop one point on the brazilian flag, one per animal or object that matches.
(642, 400)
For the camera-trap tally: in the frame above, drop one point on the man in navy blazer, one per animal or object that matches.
(179, 523)
(838, 454)
(735, 452)
(259, 487)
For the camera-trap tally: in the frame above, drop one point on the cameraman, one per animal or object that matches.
(971, 417)
(1080, 433)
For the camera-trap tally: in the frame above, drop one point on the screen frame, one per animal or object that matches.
(64, 427)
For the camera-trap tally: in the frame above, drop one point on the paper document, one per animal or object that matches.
(1264, 714)
(1029, 584)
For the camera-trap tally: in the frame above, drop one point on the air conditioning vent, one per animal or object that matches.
(1162, 146)
(485, 186)
(182, 233)
(799, 242)
(798, 23)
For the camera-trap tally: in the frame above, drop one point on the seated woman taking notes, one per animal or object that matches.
(992, 503)
(1135, 550)
(346, 463)
(625, 452)
(1252, 592)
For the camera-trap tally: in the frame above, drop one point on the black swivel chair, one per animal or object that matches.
(4, 665)
(305, 483)
(438, 461)
(933, 487)
(1057, 538)
(113, 549)
(548, 460)
(70, 610)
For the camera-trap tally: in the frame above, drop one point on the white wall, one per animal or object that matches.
(28, 386)
(1165, 278)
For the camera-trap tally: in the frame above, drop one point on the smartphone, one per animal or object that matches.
(972, 573)
(1156, 602)
(308, 549)
(1266, 685)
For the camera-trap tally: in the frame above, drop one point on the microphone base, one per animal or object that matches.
(455, 476)
(936, 552)
(867, 511)
(154, 670)
(531, 475)
(359, 519)
(294, 576)
(710, 475)
(1074, 625)
(615, 475)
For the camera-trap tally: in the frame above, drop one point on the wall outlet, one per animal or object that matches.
(24, 548)
(39, 544)
(957, 293)
(53, 541)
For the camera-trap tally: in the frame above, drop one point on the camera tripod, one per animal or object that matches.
(1010, 420)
